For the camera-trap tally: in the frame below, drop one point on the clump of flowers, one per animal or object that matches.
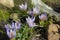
(11, 29)
(33, 11)
(26, 28)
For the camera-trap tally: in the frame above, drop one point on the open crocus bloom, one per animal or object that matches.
(11, 32)
(16, 25)
(36, 10)
(30, 21)
(23, 6)
(43, 17)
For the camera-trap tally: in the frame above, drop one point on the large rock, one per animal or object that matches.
(7, 3)
(53, 32)
(55, 4)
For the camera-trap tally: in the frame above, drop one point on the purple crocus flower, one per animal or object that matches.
(43, 17)
(17, 25)
(23, 6)
(30, 21)
(36, 10)
(11, 29)
(11, 32)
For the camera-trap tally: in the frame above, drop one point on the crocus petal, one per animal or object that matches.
(21, 7)
(8, 32)
(33, 19)
(13, 25)
(26, 19)
(7, 26)
(18, 25)
(29, 17)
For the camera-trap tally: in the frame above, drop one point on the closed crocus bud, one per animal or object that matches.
(43, 17)
(23, 6)
(30, 21)
(17, 25)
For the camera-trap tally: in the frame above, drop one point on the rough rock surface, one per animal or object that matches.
(53, 32)
(55, 4)
(7, 3)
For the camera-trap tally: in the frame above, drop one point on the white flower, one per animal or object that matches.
(30, 21)
(23, 6)
(36, 10)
